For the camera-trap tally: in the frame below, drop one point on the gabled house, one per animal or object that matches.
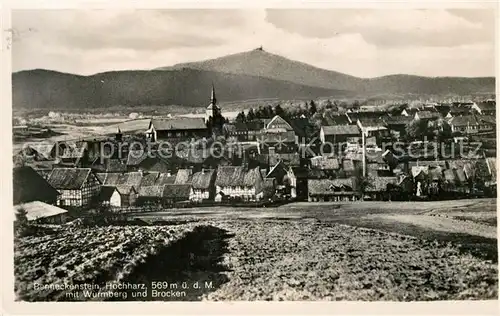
(333, 119)
(150, 195)
(183, 176)
(409, 112)
(397, 124)
(42, 213)
(427, 115)
(331, 190)
(243, 131)
(455, 111)
(176, 129)
(420, 176)
(340, 134)
(454, 182)
(118, 196)
(380, 188)
(354, 117)
(296, 180)
(485, 108)
(464, 124)
(79, 187)
(325, 163)
(174, 193)
(203, 185)
(277, 131)
(110, 197)
(239, 182)
(277, 172)
(487, 123)
(30, 186)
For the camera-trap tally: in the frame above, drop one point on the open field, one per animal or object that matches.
(301, 251)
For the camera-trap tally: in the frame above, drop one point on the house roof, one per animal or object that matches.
(176, 191)
(29, 185)
(72, 150)
(153, 191)
(341, 130)
(101, 176)
(278, 167)
(330, 163)
(487, 105)
(300, 125)
(459, 110)
(416, 170)
(236, 176)
(44, 149)
(353, 155)
(106, 193)
(371, 122)
(355, 116)
(278, 120)
(68, 178)
(178, 124)
(489, 119)
(331, 119)
(109, 165)
(463, 120)
(124, 189)
(165, 178)
(348, 165)
(129, 178)
(379, 184)
(149, 178)
(450, 175)
(436, 173)
(202, 179)
(37, 209)
(492, 166)
(135, 157)
(398, 120)
(427, 114)
(183, 176)
(428, 163)
(329, 186)
(460, 174)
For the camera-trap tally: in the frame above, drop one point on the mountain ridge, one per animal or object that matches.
(247, 75)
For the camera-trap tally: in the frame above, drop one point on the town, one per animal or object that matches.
(266, 155)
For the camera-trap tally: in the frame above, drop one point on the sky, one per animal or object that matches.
(359, 42)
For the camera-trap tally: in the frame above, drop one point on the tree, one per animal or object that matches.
(241, 117)
(250, 115)
(278, 110)
(21, 216)
(362, 182)
(416, 129)
(269, 111)
(329, 104)
(312, 108)
(441, 129)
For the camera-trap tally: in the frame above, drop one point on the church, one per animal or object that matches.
(213, 109)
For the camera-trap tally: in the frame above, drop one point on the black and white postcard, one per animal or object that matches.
(251, 153)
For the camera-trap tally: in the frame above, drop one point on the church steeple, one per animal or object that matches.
(213, 99)
(212, 109)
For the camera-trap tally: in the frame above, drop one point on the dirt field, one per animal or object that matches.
(302, 251)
